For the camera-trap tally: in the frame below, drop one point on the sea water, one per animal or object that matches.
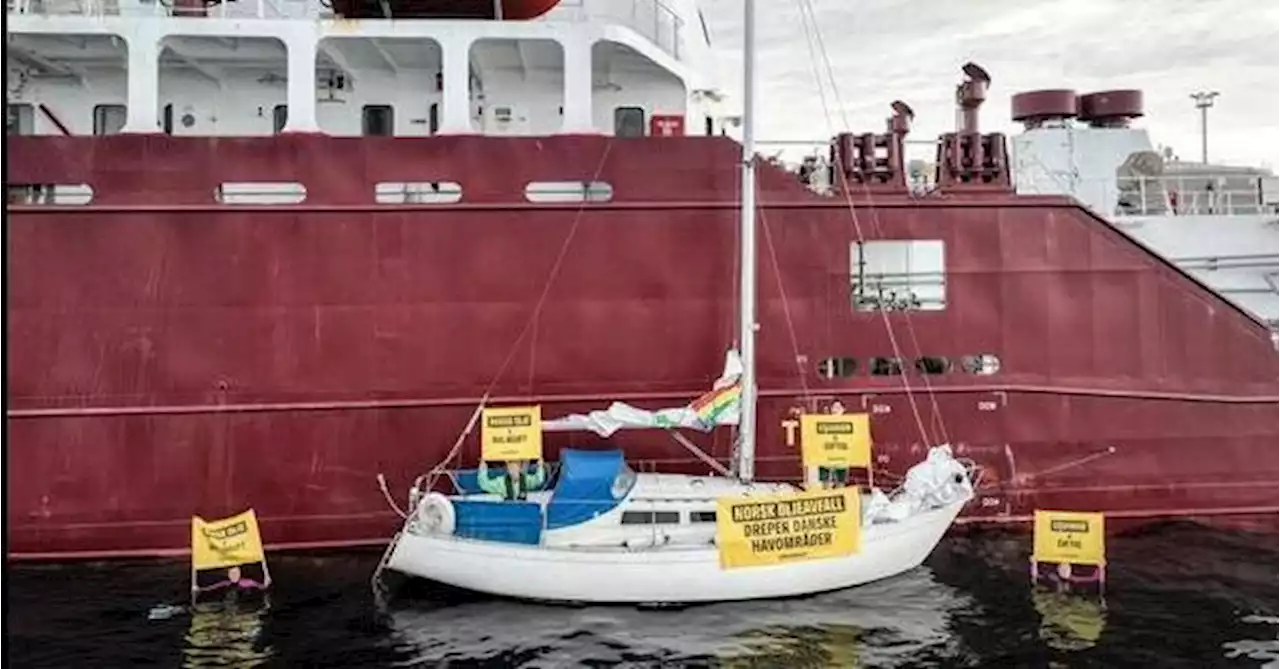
(1178, 595)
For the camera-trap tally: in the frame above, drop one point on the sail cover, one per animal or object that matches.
(719, 406)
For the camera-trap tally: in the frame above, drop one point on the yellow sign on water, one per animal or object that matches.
(1073, 537)
(839, 440)
(229, 542)
(756, 531)
(511, 433)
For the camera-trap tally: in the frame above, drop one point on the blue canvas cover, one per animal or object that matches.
(586, 486)
(512, 522)
(468, 481)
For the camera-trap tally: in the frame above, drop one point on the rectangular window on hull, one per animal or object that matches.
(898, 275)
(109, 119)
(628, 122)
(379, 121)
(19, 119)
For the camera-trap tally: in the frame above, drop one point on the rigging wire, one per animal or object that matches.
(786, 306)
(533, 317)
(817, 43)
(817, 50)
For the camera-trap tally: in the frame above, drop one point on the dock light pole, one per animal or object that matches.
(1204, 100)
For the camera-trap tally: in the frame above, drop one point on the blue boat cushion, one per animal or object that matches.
(511, 522)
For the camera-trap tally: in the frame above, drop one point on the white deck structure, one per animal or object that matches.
(255, 68)
(1218, 223)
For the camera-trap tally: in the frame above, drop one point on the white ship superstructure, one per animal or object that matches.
(1216, 222)
(624, 67)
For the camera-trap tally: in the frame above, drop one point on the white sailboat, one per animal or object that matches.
(599, 532)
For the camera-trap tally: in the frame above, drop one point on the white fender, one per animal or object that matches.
(435, 515)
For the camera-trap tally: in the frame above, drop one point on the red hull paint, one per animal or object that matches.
(170, 357)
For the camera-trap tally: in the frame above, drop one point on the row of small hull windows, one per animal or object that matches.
(840, 367)
(376, 120)
(665, 517)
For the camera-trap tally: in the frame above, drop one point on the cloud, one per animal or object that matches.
(881, 50)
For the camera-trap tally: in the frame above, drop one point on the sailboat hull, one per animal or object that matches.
(662, 576)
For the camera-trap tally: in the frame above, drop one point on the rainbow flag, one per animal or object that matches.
(712, 405)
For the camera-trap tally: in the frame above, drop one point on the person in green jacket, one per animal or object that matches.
(514, 481)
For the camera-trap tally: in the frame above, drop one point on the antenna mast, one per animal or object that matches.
(1204, 100)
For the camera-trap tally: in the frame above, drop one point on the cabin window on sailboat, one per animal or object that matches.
(897, 275)
(109, 119)
(650, 517)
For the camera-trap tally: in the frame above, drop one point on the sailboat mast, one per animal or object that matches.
(747, 236)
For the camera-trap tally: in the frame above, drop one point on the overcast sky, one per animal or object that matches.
(913, 49)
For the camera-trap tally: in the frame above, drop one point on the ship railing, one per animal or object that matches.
(1184, 195)
(810, 161)
(652, 19)
(1208, 194)
(262, 9)
(655, 20)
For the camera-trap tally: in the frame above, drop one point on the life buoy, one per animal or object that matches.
(523, 10)
(435, 515)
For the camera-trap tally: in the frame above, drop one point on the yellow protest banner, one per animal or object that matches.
(1072, 537)
(835, 440)
(229, 542)
(755, 531)
(511, 433)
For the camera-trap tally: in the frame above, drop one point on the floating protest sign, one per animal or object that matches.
(1070, 537)
(229, 542)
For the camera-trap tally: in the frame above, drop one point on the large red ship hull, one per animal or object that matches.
(170, 357)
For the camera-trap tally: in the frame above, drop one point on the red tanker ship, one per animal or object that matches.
(169, 355)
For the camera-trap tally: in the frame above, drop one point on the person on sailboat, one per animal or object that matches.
(833, 477)
(514, 481)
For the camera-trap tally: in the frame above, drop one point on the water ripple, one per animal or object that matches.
(1178, 596)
